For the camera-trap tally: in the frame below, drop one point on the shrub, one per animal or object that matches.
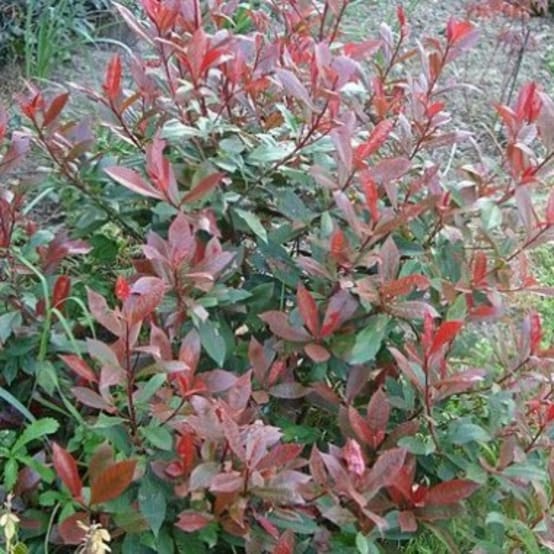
(303, 355)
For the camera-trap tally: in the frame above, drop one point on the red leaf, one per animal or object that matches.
(112, 79)
(377, 138)
(286, 543)
(289, 391)
(160, 171)
(352, 454)
(122, 288)
(218, 380)
(212, 58)
(280, 326)
(56, 106)
(458, 383)
(342, 141)
(203, 187)
(479, 269)
(231, 481)
(390, 260)
(390, 169)
(32, 104)
(259, 359)
(293, 87)
(146, 294)
(58, 248)
(412, 309)
(401, 16)
(317, 353)
(80, 367)
(62, 288)
(407, 521)
(279, 456)
(341, 307)
(102, 458)
(360, 426)
(362, 50)
(17, 150)
(308, 309)
(529, 103)
(371, 198)
(3, 123)
(338, 246)
(535, 332)
(378, 411)
(70, 532)
(66, 468)
(404, 285)
(550, 208)
(445, 333)
(450, 492)
(384, 471)
(189, 352)
(457, 30)
(103, 314)
(92, 399)
(133, 181)
(190, 521)
(112, 481)
(186, 450)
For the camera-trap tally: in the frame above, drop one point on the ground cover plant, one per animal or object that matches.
(278, 315)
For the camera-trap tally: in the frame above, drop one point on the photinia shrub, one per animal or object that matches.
(311, 345)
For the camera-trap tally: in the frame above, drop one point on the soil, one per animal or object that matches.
(488, 63)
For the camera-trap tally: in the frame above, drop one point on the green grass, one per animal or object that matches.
(543, 259)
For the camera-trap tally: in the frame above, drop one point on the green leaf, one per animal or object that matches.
(10, 474)
(369, 340)
(462, 433)
(105, 421)
(267, 153)
(46, 474)
(8, 322)
(458, 310)
(36, 430)
(152, 503)
(159, 437)
(105, 249)
(213, 342)
(225, 295)
(20, 548)
(299, 524)
(289, 117)
(362, 544)
(280, 263)
(151, 387)
(491, 215)
(165, 542)
(46, 376)
(253, 222)
(292, 207)
(526, 536)
(16, 404)
(525, 472)
(174, 130)
(420, 446)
